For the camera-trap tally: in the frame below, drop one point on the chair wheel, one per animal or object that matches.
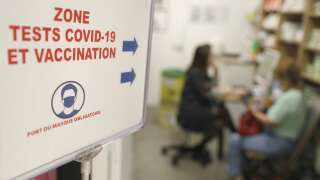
(175, 161)
(203, 157)
(164, 151)
(205, 163)
(221, 157)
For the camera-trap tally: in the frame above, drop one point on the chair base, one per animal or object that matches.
(198, 154)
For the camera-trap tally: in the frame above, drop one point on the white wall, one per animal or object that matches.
(174, 47)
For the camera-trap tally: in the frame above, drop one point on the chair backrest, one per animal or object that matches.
(309, 129)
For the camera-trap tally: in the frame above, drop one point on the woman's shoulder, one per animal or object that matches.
(196, 72)
(292, 95)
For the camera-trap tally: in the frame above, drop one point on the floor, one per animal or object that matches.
(149, 164)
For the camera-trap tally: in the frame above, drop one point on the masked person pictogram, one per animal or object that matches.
(68, 99)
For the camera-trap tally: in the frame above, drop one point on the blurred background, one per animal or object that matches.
(247, 39)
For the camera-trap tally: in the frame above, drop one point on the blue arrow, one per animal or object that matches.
(128, 77)
(130, 46)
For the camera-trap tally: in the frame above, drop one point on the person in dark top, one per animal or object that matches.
(202, 109)
(201, 106)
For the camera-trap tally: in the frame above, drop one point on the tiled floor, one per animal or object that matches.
(149, 164)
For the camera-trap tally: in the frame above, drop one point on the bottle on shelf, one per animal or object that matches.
(312, 70)
(292, 32)
(293, 6)
(271, 22)
(271, 5)
(314, 42)
(317, 8)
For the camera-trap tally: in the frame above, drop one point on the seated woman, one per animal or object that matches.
(202, 101)
(283, 122)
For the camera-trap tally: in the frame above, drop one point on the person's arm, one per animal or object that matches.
(210, 91)
(234, 94)
(276, 113)
(205, 89)
(263, 118)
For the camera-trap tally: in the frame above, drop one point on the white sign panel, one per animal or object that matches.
(72, 75)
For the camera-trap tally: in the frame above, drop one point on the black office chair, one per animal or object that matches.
(199, 152)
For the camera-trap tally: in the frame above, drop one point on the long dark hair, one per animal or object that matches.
(201, 58)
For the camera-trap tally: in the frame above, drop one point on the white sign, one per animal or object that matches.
(72, 74)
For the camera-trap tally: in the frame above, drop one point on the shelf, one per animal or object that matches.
(271, 10)
(292, 13)
(268, 46)
(291, 42)
(315, 15)
(311, 81)
(312, 49)
(273, 30)
(299, 21)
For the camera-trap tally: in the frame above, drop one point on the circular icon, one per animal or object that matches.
(68, 99)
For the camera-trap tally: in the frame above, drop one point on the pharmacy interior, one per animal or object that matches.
(281, 30)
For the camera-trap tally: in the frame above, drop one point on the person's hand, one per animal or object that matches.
(255, 105)
(241, 92)
(252, 108)
(260, 116)
(264, 102)
(235, 94)
(267, 102)
(230, 94)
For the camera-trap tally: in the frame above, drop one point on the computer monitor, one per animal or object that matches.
(268, 61)
(263, 78)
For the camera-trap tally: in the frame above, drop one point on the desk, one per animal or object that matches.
(227, 60)
(235, 72)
